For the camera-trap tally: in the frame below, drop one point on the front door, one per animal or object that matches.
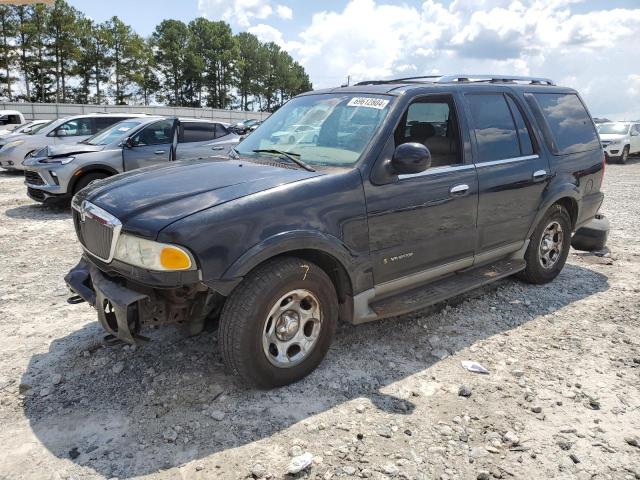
(153, 144)
(424, 225)
(512, 173)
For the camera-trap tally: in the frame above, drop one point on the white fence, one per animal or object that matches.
(48, 111)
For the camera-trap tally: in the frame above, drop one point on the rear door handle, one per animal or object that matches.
(539, 174)
(458, 190)
(160, 152)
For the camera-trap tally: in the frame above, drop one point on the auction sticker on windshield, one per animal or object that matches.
(369, 102)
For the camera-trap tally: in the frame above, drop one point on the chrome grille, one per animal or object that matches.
(97, 230)
(33, 178)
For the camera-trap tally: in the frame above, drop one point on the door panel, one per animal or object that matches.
(151, 145)
(512, 174)
(422, 222)
(417, 224)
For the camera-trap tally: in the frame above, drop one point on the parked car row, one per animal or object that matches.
(61, 157)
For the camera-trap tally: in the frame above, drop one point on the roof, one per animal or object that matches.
(400, 85)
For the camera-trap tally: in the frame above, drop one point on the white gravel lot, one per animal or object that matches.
(561, 400)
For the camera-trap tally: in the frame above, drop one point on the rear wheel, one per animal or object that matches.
(625, 154)
(548, 247)
(86, 180)
(277, 325)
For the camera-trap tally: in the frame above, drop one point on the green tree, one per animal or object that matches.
(125, 52)
(23, 44)
(250, 67)
(40, 66)
(144, 75)
(170, 40)
(94, 61)
(7, 50)
(63, 45)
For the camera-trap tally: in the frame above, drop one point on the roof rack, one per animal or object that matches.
(463, 78)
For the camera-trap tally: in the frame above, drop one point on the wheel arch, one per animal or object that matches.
(324, 250)
(568, 196)
(85, 170)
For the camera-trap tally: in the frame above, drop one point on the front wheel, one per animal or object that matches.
(277, 325)
(548, 247)
(87, 179)
(625, 155)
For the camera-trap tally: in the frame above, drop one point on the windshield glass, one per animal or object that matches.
(328, 129)
(112, 134)
(619, 128)
(38, 127)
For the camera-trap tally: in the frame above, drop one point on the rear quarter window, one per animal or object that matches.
(569, 123)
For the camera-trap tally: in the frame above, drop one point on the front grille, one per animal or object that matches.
(35, 194)
(96, 230)
(33, 178)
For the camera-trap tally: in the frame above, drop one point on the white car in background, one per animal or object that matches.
(29, 127)
(296, 134)
(619, 139)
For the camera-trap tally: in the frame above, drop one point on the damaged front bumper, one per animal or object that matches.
(117, 306)
(125, 308)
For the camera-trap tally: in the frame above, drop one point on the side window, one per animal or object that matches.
(569, 122)
(104, 122)
(13, 119)
(494, 128)
(432, 121)
(158, 133)
(220, 130)
(524, 136)
(196, 132)
(74, 128)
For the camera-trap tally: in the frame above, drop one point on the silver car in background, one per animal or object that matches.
(56, 173)
(15, 149)
(29, 127)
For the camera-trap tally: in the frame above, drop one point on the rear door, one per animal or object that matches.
(512, 172)
(151, 145)
(224, 141)
(635, 138)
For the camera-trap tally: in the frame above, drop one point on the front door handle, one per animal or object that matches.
(458, 190)
(215, 147)
(160, 152)
(539, 175)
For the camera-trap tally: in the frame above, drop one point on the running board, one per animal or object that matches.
(440, 290)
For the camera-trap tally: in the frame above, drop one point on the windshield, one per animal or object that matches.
(38, 127)
(112, 134)
(327, 129)
(619, 128)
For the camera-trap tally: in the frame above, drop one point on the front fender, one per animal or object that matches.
(288, 242)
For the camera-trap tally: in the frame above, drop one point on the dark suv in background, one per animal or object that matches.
(413, 190)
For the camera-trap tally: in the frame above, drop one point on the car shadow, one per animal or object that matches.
(38, 211)
(173, 402)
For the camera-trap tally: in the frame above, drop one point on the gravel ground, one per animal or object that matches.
(391, 399)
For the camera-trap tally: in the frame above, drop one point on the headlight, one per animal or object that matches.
(62, 161)
(14, 143)
(614, 142)
(152, 255)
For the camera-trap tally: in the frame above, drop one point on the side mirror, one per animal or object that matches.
(128, 142)
(61, 132)
(410, 158)
(635, 133)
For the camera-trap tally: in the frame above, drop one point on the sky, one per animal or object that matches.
(590, 45)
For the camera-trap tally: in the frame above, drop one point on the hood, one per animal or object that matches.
(53, 151)
(612, 136)
(148, 199)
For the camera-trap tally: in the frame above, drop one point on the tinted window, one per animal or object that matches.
(496, 135)
(77, 127)
(158, 133)
(196, 132)
(104, 122)
(432, 122)
(570, 124)
(526, 146)
(221, 131)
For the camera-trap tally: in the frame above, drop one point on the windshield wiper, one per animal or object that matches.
(288, 155)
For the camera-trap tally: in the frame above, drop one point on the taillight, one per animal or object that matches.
(604, 167)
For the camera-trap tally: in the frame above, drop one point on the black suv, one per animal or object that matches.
(396, 195)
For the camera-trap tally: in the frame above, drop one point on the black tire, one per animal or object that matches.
(245, 317)
(625, 155)
(535, 272)
(87, 179)
(592, 236)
